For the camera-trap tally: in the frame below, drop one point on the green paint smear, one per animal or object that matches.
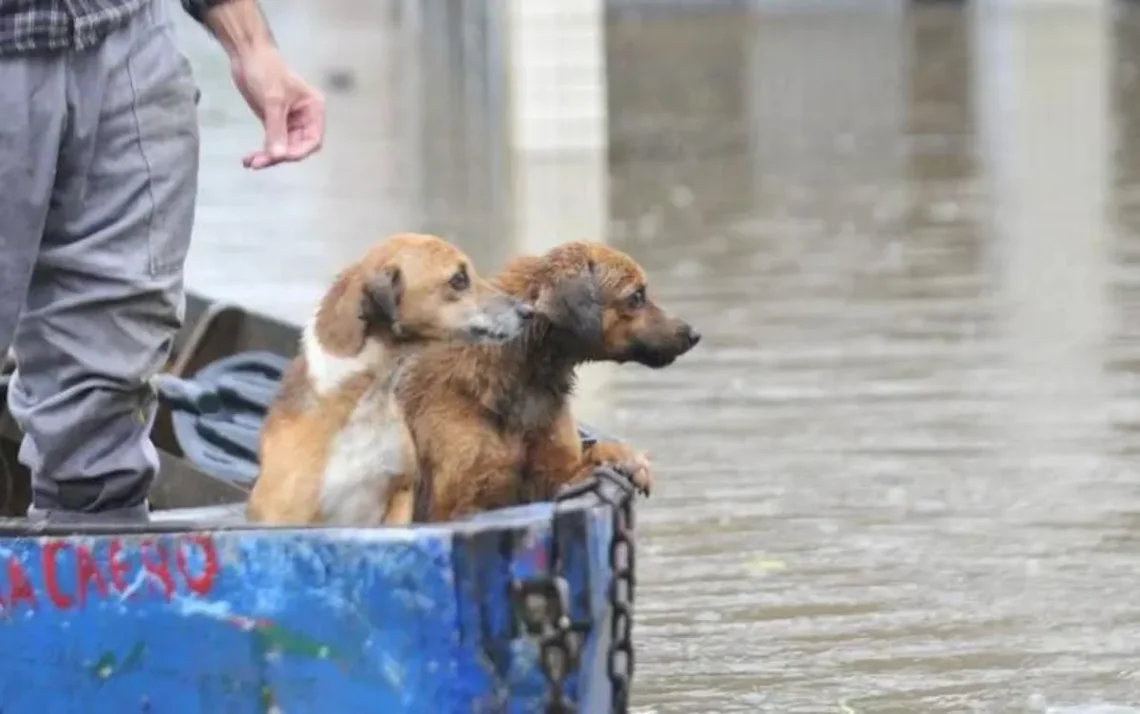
(104, 667)
(278, 639)
(266, 698)
(108, 664)
(134, 657)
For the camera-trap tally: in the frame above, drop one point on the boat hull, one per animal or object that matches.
(200, 611)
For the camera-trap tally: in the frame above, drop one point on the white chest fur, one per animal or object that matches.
(367, 453)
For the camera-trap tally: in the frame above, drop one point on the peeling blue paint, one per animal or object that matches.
(298, 621)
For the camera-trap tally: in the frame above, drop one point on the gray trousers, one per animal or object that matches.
(98, 181)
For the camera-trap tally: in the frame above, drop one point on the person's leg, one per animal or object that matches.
(33, 109)
(106, 296)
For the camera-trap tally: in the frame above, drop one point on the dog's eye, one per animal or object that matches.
(637, 299)
(460, 282)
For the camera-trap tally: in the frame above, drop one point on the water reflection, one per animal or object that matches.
(895, 476)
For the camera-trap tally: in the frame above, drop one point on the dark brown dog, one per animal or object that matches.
(492, 425)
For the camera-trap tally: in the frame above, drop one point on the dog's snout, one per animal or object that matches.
(688, 335)
(501, 318)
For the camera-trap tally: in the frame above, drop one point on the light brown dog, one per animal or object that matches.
(335, 448)
(492, 426)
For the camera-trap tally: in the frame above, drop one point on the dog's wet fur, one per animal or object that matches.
(335, 447)
(492, 425)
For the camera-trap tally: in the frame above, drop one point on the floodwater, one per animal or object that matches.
(899, 474)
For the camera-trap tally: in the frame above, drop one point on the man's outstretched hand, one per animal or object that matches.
(292, 111)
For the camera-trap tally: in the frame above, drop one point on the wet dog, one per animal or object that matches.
(493, 426)
(335, 448)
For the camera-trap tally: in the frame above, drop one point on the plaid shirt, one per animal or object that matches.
(70, 25)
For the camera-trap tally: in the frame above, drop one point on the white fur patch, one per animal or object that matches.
(363, 457)
(328, 372)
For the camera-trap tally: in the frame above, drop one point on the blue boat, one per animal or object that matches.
(525, 609)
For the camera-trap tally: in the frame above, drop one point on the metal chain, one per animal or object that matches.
(621, 590)
(544, 602)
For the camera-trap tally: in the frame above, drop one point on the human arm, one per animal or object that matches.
(292, 111)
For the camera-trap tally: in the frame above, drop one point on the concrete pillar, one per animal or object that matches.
(558, 139)
(455, 94)
(557, 70)
(1042, 77)
(558, 120)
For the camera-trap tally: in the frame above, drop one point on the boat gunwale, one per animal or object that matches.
(512, 518)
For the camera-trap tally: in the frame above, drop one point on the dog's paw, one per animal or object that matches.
(632, 463)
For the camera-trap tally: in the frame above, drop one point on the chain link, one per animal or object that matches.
(544, 602)
(621, 592)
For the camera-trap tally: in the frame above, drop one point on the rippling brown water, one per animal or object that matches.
(898, 474)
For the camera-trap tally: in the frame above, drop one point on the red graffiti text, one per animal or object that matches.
(67, 574)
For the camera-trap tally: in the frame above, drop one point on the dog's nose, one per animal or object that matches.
(524, 310)
(690, 336)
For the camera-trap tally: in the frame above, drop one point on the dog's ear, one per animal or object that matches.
(574, 304)
(380, 303)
